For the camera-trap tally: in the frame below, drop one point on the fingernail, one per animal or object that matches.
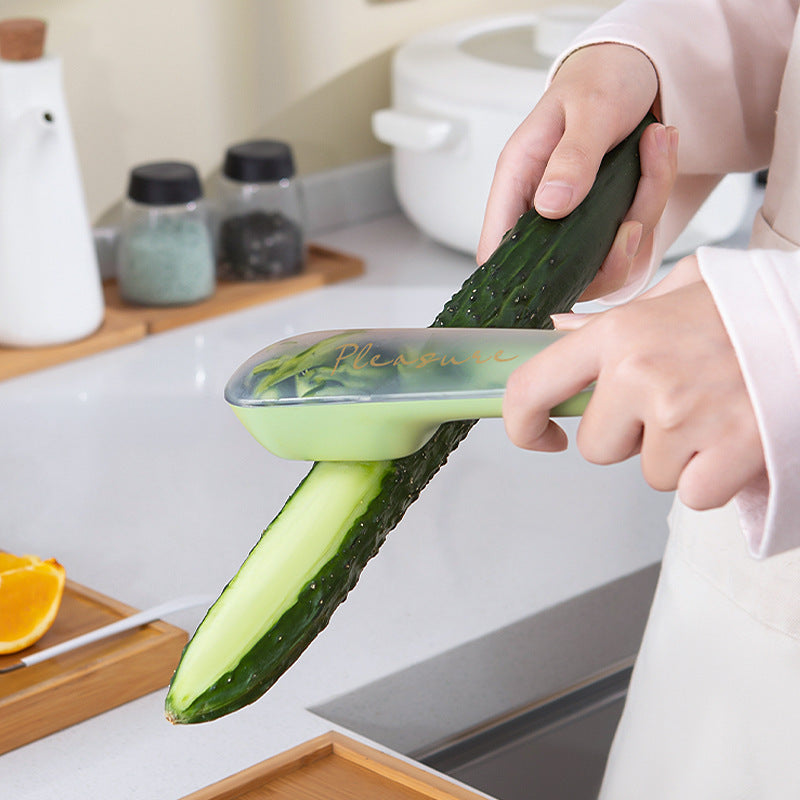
(569, 321)
(633, 241)
(673, 139)
(553, 197)
(662, 139)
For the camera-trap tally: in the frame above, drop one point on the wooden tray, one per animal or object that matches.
(125, 323)
(116, 330)
(334, 767)
(47, 697)
(323, 266)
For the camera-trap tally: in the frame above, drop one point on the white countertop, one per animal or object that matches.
(129, 468)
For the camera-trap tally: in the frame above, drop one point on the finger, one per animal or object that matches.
(614, 271)
(570, 321)
(658, 156)
(611, 429)
(659, 165)
(547, 438)
(527, 425)
(664, 456)
(573, 165)
(557, 373)
(717, 474)
(518, 172)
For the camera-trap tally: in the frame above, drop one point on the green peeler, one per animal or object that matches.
(378, 394)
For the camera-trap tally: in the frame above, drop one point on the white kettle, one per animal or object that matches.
(50, 288)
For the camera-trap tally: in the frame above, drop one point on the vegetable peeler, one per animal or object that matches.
(378, 394)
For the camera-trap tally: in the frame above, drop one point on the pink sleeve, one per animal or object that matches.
(757, 293)
(720, 65)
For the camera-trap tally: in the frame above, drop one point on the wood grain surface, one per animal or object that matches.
(334, 767)
(41, 699)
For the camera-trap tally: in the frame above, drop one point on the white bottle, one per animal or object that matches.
(50, 288)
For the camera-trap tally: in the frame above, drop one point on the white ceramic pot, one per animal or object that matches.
(460, 91)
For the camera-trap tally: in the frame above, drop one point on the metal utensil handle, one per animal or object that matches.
(124, 624)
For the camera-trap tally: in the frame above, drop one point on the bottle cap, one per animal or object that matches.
(22, 39)
(259, 161)
(164, 183)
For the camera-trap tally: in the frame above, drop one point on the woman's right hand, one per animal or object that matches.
(598, 96)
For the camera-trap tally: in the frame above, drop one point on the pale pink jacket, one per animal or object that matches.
(729, 80)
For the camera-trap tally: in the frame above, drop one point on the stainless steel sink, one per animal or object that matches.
(552, 751)
(526, 712)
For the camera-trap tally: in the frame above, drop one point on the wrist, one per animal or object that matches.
(610, 69)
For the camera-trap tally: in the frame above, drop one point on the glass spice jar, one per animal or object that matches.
(261, 213)
(166, 254)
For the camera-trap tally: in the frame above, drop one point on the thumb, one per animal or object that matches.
(572, 168)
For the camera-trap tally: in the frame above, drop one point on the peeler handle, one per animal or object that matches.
(575, 406)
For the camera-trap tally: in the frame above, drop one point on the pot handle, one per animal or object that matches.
(412, 131)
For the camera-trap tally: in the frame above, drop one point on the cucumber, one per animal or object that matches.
(311, 555)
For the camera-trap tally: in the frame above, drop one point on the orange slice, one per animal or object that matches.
(9, 561)
(30, 595)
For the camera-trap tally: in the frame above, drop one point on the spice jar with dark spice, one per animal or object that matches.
(166, 253)
(261, 213)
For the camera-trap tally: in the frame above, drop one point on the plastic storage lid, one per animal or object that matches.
(164, 183)
(365, 395)
(259, 161)
(383, 365)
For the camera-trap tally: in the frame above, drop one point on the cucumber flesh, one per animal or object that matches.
(291, 551)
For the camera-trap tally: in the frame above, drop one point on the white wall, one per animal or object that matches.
(157, 79)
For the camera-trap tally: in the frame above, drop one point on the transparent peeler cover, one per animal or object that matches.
(384, 365)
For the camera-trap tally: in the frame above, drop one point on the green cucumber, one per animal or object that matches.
(312, 554)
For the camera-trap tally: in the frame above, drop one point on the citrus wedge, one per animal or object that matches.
(30, 596)
(9, 561)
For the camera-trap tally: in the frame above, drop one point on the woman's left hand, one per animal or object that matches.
(668, 387)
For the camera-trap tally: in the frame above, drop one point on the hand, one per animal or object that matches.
(668, 386)
(598, 96)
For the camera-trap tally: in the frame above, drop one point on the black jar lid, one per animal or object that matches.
(164, 183)
(259, 161)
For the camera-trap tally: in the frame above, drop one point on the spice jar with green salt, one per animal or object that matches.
(166, 255)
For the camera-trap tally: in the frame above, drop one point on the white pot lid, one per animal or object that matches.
(495, 62)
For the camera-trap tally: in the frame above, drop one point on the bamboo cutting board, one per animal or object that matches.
(126, 323)
(41, 699)
(322, 267)
(334, 767)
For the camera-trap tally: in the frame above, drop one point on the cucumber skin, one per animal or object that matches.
(508, 291)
